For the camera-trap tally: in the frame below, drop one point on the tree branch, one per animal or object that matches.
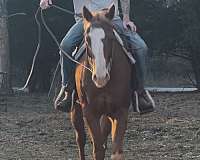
(188, 58)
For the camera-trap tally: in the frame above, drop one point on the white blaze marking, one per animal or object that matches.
(96, 36)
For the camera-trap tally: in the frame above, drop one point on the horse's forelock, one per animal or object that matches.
(99, 20)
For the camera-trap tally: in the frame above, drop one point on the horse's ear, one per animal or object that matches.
(87, 14)
(111, 12)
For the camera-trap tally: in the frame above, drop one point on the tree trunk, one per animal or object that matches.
(4, 49)
(196, 67)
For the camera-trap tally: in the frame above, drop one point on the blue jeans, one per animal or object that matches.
(74, 37)
(69, 43)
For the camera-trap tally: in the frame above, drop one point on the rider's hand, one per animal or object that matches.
(44, 4)
(128, 24)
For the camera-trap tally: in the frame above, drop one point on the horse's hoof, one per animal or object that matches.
(117, 156)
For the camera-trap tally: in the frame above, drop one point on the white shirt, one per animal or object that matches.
(94, 5)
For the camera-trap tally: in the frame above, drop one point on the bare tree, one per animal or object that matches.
(4, 48)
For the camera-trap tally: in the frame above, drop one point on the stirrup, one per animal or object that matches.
(143, 109)
(64, 104)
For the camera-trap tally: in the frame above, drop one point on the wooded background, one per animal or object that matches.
(171, 29)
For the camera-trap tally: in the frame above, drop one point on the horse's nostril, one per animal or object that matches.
(94, 77)
(107, 76)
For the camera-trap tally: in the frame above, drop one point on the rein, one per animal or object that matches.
(109, 66)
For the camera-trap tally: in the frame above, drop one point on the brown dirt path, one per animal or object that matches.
(32, 130)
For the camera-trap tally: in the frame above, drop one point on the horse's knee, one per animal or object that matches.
(117, 156)
(105, 125)
(105, 128)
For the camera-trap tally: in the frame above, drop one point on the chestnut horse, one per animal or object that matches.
(104, 92)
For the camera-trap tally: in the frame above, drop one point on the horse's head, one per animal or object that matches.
(98, 36)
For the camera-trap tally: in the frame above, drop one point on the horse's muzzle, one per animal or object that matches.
(100, 82)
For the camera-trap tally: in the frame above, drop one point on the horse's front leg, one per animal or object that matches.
(93, 122)
(119, 125)
(78, 124)
(105, 124)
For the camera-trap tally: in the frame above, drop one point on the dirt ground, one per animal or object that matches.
(32, 130)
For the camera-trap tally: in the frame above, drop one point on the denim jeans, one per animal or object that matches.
(69, 43)
(74, 37)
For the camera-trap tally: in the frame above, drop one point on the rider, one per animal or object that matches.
(125, 27)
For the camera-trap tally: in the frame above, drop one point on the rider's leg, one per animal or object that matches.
(145, 101)
(69, 43)
(139, 47)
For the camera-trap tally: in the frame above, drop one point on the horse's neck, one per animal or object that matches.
(118, 53)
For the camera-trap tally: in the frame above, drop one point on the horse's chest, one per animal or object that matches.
(103, 102)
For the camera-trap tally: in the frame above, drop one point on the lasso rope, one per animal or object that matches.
(65, 10)
(36, 52)
(53, 79)
(55, 40)
(58, 44)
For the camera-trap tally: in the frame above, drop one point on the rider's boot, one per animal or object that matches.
(63, 101)
(143, 102)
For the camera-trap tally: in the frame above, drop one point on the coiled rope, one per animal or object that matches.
(55, 40)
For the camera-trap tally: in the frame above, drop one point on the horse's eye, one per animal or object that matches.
(88, 40)
(103, 40)
(90, 55)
